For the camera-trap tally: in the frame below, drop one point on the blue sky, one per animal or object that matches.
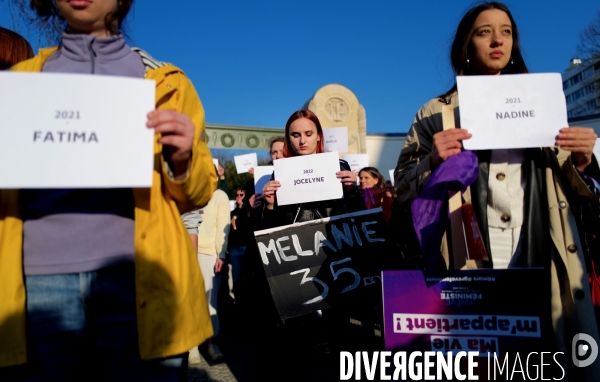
(255, 62)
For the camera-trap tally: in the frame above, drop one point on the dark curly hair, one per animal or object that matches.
(47, 10)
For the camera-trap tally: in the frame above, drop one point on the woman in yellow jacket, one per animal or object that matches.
(129, 300)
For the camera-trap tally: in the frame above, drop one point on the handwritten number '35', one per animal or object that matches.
(306, 279)
(335, 276)
(348, 270)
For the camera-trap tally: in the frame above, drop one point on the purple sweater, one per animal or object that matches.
(80, 230)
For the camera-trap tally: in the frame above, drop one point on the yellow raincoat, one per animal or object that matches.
(172, 312)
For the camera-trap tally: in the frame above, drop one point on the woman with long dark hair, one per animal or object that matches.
(520, 196)
(106, 280)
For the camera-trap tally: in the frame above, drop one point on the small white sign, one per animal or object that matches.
(308, 178)
(216, 163)
(75, 131)
(245, 162)
(356, 161)
(511, 111)
(392, 176)
(597, 150)
(262, 176)
(336, 139)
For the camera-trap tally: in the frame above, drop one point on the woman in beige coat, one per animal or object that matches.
(519, 196)
(209, 228)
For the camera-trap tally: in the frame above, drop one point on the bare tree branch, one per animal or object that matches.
(589, 38)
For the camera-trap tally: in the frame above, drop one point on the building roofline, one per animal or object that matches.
(387, 134)
(280, 129)
(584, 118)
(240, 127)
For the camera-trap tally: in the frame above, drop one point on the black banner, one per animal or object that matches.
(317, 264)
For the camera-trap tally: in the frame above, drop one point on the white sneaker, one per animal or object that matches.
(194, 356)
(214, 352)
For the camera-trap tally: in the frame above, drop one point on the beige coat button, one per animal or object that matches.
(562, 204)
(572, 248)
(505, 218)
(500, 176)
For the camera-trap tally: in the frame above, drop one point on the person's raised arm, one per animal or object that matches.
(578, 163)
(269, 192)
(187, 168)
(580, 142)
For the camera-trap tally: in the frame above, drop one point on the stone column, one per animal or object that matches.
(337, 106)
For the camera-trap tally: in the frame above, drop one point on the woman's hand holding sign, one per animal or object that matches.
(580, 142)
(269, 191)
(347, 177)
(177, 132)
(447, 143)
(256, 201)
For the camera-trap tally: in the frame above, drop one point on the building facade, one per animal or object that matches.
(383, 149)
(335, 105)
(581, 84)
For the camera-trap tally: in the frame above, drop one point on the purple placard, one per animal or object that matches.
(474, 310)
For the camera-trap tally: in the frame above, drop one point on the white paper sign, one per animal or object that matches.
(75, 131)
(511, 111)
(262, 176)
(597, 150)
(216, 163)
(308, 178)
(245, 162)
(392, 176)
(357, 161)
(336, 139)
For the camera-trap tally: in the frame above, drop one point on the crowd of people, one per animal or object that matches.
(133, 279)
